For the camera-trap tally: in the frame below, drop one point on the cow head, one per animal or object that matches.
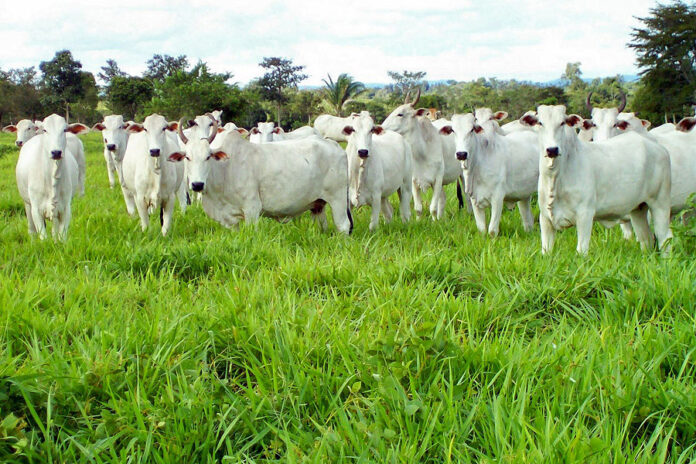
(201, 126)
(24, 130)
(605, 119)
(263, 132)
(556, 130)
(468, 137)
(198, 155)
(55, 129)
(359, 134)
(490, 120)
(629, 121)
(403, 118)
(115, 134)
(155, 127)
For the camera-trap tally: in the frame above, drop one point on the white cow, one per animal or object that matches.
(582, 182)
(433, 164)
(26, 129)
(243, 180)
(300, 133)
(47, 177)
(150, 182)
(331, 127)
(379, 164)
(262, 133)
(115, 134)
(497, 168)
(217, 115)
(668, 127)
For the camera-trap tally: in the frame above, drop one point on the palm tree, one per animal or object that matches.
(337, 94)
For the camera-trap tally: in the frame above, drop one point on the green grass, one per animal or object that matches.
(424, 342)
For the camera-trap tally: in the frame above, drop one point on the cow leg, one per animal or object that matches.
(119, 171)
(626, 229)
(417, 200)
(143, 212)
(387, 210)
(30, 218)
(167, 213)
(480, 217)
(110, 168)
(376, 206)
(129, 198)
(661, 220)
(435, 202)
(584, 230)
(81, 168)
(405, 202)
(526, 214)
(39, 222)
(252, 212)
(342, 218)
(548, 234)
(441, 204)
(182, 196)
(639, 221)
(61, 224)
(496, 211)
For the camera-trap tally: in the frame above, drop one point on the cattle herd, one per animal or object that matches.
(610, 168)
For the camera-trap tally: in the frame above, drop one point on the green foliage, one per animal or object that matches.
(280, 75)
(406, 82)
(337, 94)
(62, 81)
(159, 67)
(128, 95)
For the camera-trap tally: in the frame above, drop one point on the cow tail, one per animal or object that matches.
(188, 198)
(460, 198)
(161, 215)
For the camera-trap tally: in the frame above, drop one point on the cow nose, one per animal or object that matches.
(154, 152)
(197, 186)
(19, 143)
(111, 147)
(362, 153)
(56, 154)
(462, 155)
(552, 152)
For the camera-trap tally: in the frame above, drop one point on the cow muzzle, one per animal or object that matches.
(155, 152)
(111, 147)
(56, 154)
(462, 155)
(363, 153)
(197, 186)
(19, 143)
(552, 152)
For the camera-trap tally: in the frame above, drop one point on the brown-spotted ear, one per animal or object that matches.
(587, 124)
(254, 130)
(135, 128)
(125, 125)
(221, 129)
(645, 123)
(529, 120)
(477, 128)
(10, 128)
(173, 126)
(277, 130)
(176, 156)
(574, 120)
(500, 115)
(622, 125)
(220, 155)
(242, 131)
(421, 111)
(77, 128)
(98, 127)
(446, 130)
(686, 124)
(348, 130)
(378, 130)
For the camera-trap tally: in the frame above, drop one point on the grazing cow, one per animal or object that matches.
(262, 133)
(497, 168)
(47, 177)
(300, 133)
(243, 181)
(115, 134)
(433, 166)
(26, 129)
(582, 182)
(331, 127)
(150, 182)
(379, 164)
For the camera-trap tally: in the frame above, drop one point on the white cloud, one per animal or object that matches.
(459, 40)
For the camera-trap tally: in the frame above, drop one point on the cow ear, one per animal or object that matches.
(529, 120)
(125, 125)
(378, 130)
(135, 128)
(421, 111)
(78, 128)
(242, 131)
(191, 123)
(500, 115)
(574, 120)
(587, 124)
(10, 128)
(221, 129)
(276, 130)
(348, 130)
(686, 124)
(176, 156)
(477, 128)
(254, 130)
(98, 127)
(172, 126)
(622, 125)
(645, 123)
(446, 130)
(220, 155)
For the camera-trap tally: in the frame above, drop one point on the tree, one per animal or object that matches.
(666, 53)
(280, 76)
(110, 71)
(406, 81)
(159, 67)
(128, 95)
(62, 81)
(338, 94)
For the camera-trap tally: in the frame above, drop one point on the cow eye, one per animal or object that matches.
(400, 115)
(164, 129)
(105, 141)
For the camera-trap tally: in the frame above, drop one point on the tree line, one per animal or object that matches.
(665, 46)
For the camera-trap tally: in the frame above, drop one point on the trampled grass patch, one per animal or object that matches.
(424, 342)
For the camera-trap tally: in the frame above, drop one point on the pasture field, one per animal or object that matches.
(418, 343)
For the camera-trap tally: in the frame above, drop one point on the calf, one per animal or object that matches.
(47, 177)
(150, 183)
(582, 182)
(379, 164)
(244, 181)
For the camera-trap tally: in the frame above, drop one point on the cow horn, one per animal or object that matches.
(588, 104)
(622, 106)
(408, 97)
(214, 129)
(417, 98)
(181, 131)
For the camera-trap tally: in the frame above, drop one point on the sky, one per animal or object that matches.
(461, 40)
